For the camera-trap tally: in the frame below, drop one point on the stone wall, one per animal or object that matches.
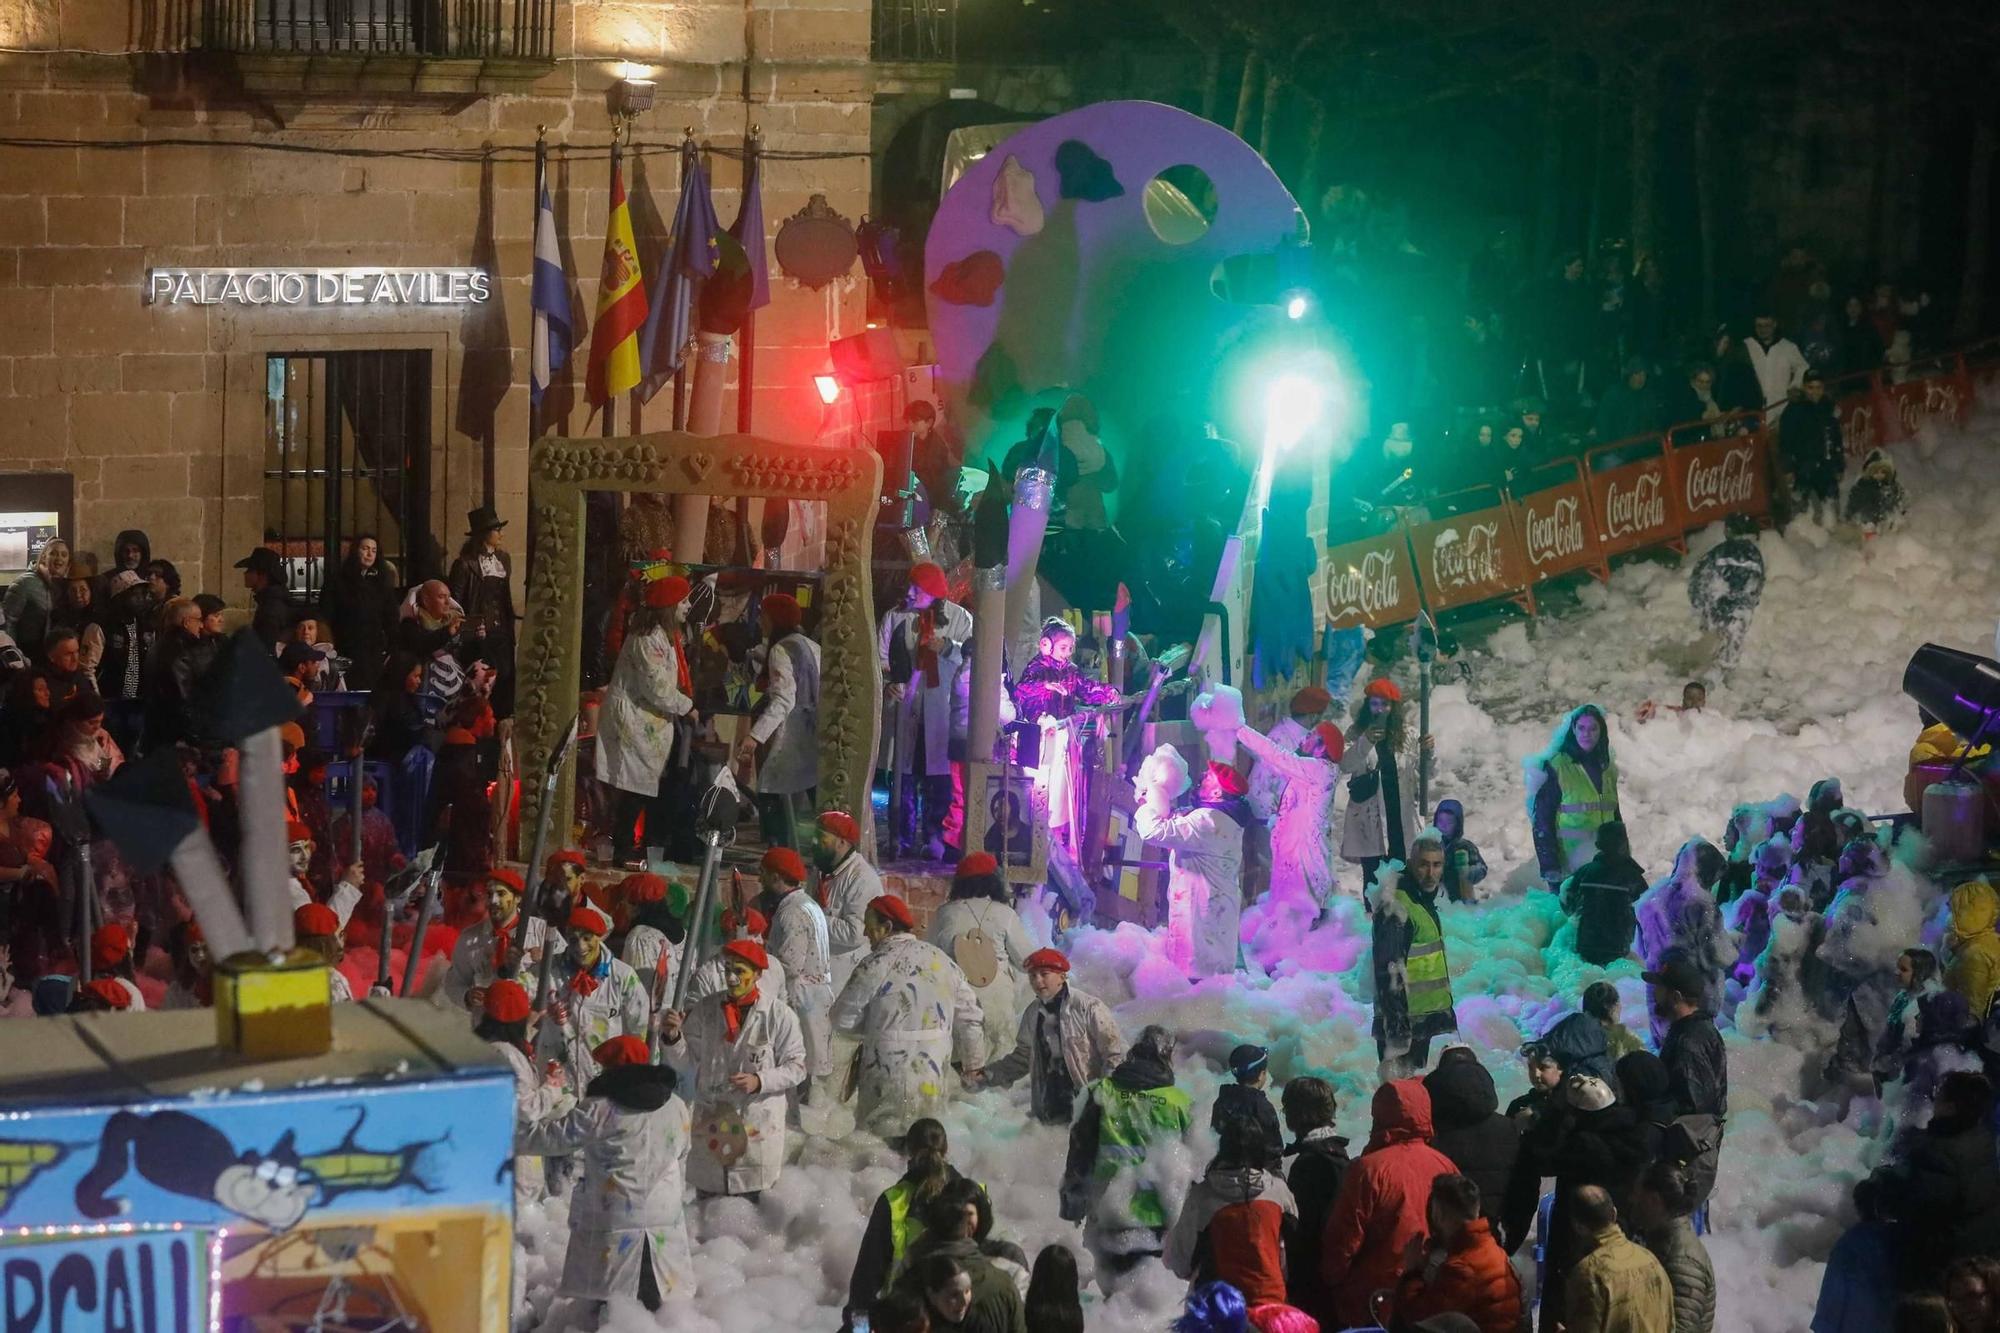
(158, 411)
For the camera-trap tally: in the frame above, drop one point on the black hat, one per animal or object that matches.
(1679, 974)
(265, 561)
(483, 519)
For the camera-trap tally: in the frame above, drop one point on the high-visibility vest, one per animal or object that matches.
(1131, 1122)
(1584, 805)
(905, 1226)
(1429, 984)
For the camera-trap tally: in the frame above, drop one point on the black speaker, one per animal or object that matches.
(1959, 689)
(868, 356)
(896, 448)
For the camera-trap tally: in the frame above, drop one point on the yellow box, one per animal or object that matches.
(274, 1011)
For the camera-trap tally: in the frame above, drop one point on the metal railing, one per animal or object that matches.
(916, 31)
(475, 29)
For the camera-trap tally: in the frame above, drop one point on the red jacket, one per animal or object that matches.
(1382, 1200)
(1235, 1227)
(1474, 1280)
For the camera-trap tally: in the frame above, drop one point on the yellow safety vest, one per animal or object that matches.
(1583, 805)
(905, 1227)
(1429, 986)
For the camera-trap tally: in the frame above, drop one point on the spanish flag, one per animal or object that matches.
(621, 306)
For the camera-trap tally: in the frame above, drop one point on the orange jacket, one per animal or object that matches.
(1474, 1280)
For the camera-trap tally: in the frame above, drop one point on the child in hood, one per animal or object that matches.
(1601, 895)
(1972, 948)
(1464, 867)
(1876, 500)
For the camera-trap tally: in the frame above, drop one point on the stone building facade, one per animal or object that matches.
(258, 133)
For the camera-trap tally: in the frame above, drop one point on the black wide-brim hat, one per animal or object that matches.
(265, 561)
(483, 519)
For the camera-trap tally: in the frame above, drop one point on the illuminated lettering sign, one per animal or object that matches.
(319, 287)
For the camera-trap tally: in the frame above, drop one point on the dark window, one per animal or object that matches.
(522, 29)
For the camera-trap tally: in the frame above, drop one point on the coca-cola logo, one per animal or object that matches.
(1470, 560)
(1941, 398)
(1557, 534)
(1369, 588)
(1857, 429)
(1641, 508)
(1723, 484)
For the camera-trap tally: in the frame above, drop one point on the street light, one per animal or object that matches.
(1296, 306)
(829, 388)
(1291, 408)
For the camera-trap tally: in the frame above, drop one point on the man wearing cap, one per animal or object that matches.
(1697, 1063)
(504, 943)
(647, 941)
(481, 581)
(645, 727)
(1308, 778)
(264, 576)
(1205, 858)
(1067, 1040)
(346, 893)
(785, 723)
(111, 959)
(847, 886)
(503, 1025)
(922, 656)
(737, 1051)
(317, 928)
(912, 1011)
(592, 998)
(798, 939)
(978, 926)
(712, 977)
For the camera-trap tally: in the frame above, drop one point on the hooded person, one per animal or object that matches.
(1107, 1183)
(1600, 896)
(628, 1232)
(506, 942)
(1306, 766)
(1972, 948)
(1751, 914)
(1377, 762)
(593, 998)
(978, 926)
(1856, 978)
(912, 1012)
(783, 737)
(1579, 1045)
(1469, 1129)
(1679, 917)
(1382, 1201)
(737, 1053)
(645, 727)
(1464, 868)
(1725, 586)
(1413, 999)
(1205, 859)
(1876, 500)
(1065, 1041)
(1238, 1223)
(1592, 1140)
(1572, 790)
(922, 654)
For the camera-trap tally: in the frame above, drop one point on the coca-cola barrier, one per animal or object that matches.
(1468, 558)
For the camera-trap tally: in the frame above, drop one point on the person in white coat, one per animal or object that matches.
(737, 1053)
(1267, 781)
(922, 647)
(1066, 1041)
(647, 948)
(627, 1218)
(593, 997)
(1779, 364)
(798, 939)
(1205, 859)
(982, 932)
(712, 977)
(1301, 836)
(847, 886)
(645, 724)
(785, 725)
(912, 1012)
(1381, 782)
(539, 1094)
(505, 943)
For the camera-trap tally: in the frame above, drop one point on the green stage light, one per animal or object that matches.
(1292, 406)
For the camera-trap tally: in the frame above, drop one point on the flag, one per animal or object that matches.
(621, 305)
(748, 229)
(549, 299)
(691, 257)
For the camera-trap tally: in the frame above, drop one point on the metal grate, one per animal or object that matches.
(523, 29)
(347, 445)
(916, 30)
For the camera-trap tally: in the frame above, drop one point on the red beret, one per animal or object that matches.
(315, 919)
(977, 863)
(1227, 778)
(1329, 736)
(510, 878)
(891, 908)
(1384, 688)
(669, 591)
(757, 925)
(297, 832)
(507, 1001)
(589, 919)
(460, 736)
(1311, 699)
(927, 577)
(841, 825)
(785, 863)
(782, 610)
(110, 945)
(749, 951)
(1047, 960)
(568, 856)
(623, 1051)
(643, 888)
(110, 991)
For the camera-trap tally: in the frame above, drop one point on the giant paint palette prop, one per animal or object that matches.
(1056, 261)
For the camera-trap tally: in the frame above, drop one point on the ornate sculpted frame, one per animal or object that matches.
(561, 472)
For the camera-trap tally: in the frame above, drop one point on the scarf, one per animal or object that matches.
(503, 940)
(681, 677)
(733, 1012)
(1392, 798)
(927, 653)
(587, 979)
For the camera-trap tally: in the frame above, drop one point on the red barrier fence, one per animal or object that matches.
(1627, 496)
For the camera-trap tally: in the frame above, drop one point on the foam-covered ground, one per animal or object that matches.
(1817, 694)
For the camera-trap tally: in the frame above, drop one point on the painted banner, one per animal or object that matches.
(1721, 477)
(1557, 531)
(1468, 558)
(1370, 583)
(156, 1281)
(1634, 505)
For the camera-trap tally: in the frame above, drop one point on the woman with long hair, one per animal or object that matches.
(1381, 782)
(1572, 789)
(896, 1221)
(360, 602)
(1055, 1302)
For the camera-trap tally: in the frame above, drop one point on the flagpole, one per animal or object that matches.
(610, 398)
(638, 396)
(746, 341)
(688, 151)
(541, 182)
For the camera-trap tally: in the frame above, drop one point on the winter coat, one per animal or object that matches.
(361, 606)
(1107, 1183)
(1382, 1201)
(1947, 1192)
(1482, 1143)
(178, 662)
(844, 895)
(1235, 1226)
(1698, 1064)
(798, 939)
(895, 1224)
(1473, 1278)
(482, 583)
(1085, 1039)
(1625, 413)
(1858, 1293)
(1301, 864)
(270, 614)
(786, 723)
(925, 711)
(534, 1100)
(1459, 879)
(1372, 771)
(913, 1012)
(1726, 583)
(1876, 501)
(997, 1303)
(632, 1134)
(640, 719)
(128, 650)
(1558, 855)
(1972, 948)
(1679, 914)
(1810, 447)
(1204, 883)
(1240, 1101)
(1601, 896)
(25, 610)
(1780, 368)
(1608, 1148)
(1000, 999)
(1682, 1255)
(1406, 1008)
(472, 967)
(1319, 1164)
(1619, 1287)
(620, 1006)
(1749, 918)
(739, 1138)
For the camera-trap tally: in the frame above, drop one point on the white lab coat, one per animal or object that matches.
(913, 1012)
(1204, 886)
(739, 1138)
(471, 966)
(534, 1100)
(619, 1007)
(343, 900)
(787, 721)
(798, 939)
(932, 705)
(630, 1196)
(711, 978)
(1000, 1000)
(845, 894)
(641, 952)
(1780, 369)
(1267, 782)
(635, 725)
(1301, 837)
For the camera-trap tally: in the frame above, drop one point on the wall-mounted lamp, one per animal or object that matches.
(829, 388)
(632, 93)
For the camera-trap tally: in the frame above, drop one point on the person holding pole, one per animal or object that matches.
(786, 722)
(847, 886)
(595, 998)
(504, 944)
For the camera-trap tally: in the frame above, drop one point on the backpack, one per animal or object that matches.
(977, 956)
